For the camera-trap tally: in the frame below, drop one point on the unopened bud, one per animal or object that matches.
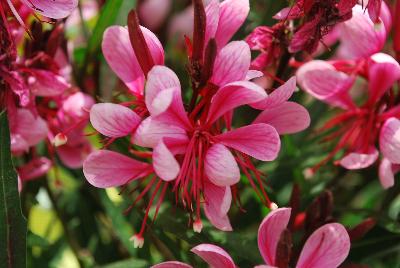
(197, 226)
(60, 139)
(137, 240)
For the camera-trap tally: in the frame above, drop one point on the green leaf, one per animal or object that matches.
(134, 263)
(12, 222)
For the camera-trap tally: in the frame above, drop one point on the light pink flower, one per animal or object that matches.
(327, 247)
(154, 12)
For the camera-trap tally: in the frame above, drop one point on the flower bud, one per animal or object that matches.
(137, 240)
(60, 139)
(197, 226)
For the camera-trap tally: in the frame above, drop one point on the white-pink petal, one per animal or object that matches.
(215, 256)
(326, 247)
(104, 169)
(389, 140)
(171, 264)
(164, 162)
(217, 204)
(387, 171)
(32, 129)
(113, 120)
(260, 141)
(220, 166)
(46, 83)
(359, 160)
(270, 231)
(53, 9)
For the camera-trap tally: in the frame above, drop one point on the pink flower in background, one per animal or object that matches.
(377, 114)
(214, 256)
(55, 9)
(154, 12)
(327, 247)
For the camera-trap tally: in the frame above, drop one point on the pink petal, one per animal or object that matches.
(389, 140)
(18, 144)
(359, 160)
(35, 168)
(324, 82)
(232, 63)
(104, 169)
(301, 39)
(326, 247)
(287, 118)
(220, 166)
(387, 171)
(171, 264)
(32, 129)
(260, 141)
(214, 256)
(232, 15)
(113, 120)
(154, 12)
(217, 204)
(383, 73)
(118, 51)
(270, 231)
(46, 83)
(252, 74)
(151, 130)
(374, 9)
(78, 104)
(278, 96)
(164, 162)
(232, 96)
(73, 156)
(212, 18)
(53, 9)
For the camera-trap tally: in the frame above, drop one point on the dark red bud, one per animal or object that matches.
(294, 203)
(361, 229)
(284, 250)
(199, 30)
(209, 59)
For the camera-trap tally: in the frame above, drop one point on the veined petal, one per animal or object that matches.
(171, 264)
(164, 162)
(278, 96)
(286, 118)
(387, 171)
(326, 247)
(212, 19)
(214, 256)
(389, 140)
(220, 166)
(232, 63)
(217, 204)
(232, 15)
(270, 231)
(46, 83)
(53, 9)
(232, 96)
(359, 160)
(113, 120)
(30, 128)
(324, 82)
(260, 141)
(104, 169)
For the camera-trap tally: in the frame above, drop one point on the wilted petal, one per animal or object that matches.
(326, 247)
(171, 264)
(387, 171)
(35, 168)
(278, 96)
(324, 82)
(232, 15)
(270, 231)
(220, 166)
(231, 63)
(389, 140)
(53, 9)
(164, 162)
(46, 83)
(260, 141)
(217, 204)
(113, 120)
(214, 256)
(104, 169)
(287, 118)
(359, 160)
(232, 96)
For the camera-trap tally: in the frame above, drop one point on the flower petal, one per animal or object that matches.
(287, 118)
(220, 166)
(260, 141)
(386, 173)
(212, 19)
(328, 246)
(164, 162)
(232, 96)
(31, 129)
(359, 160)
(270, 231)
(217, 204)
(214, 256)
(78, 104)
(46, 84)
(113, 120)
(232, 15)
(104, 169)
(278, 96)
(35, 168)
(389, 140)
(53, 9)
(232, 63)
(171, 264)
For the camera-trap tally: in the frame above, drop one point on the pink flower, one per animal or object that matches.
(49, 8)
(328, 246)
(213, 255)
(328, 83)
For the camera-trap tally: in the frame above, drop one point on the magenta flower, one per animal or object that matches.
(378, 113)
(327, 247)
(55, 9)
